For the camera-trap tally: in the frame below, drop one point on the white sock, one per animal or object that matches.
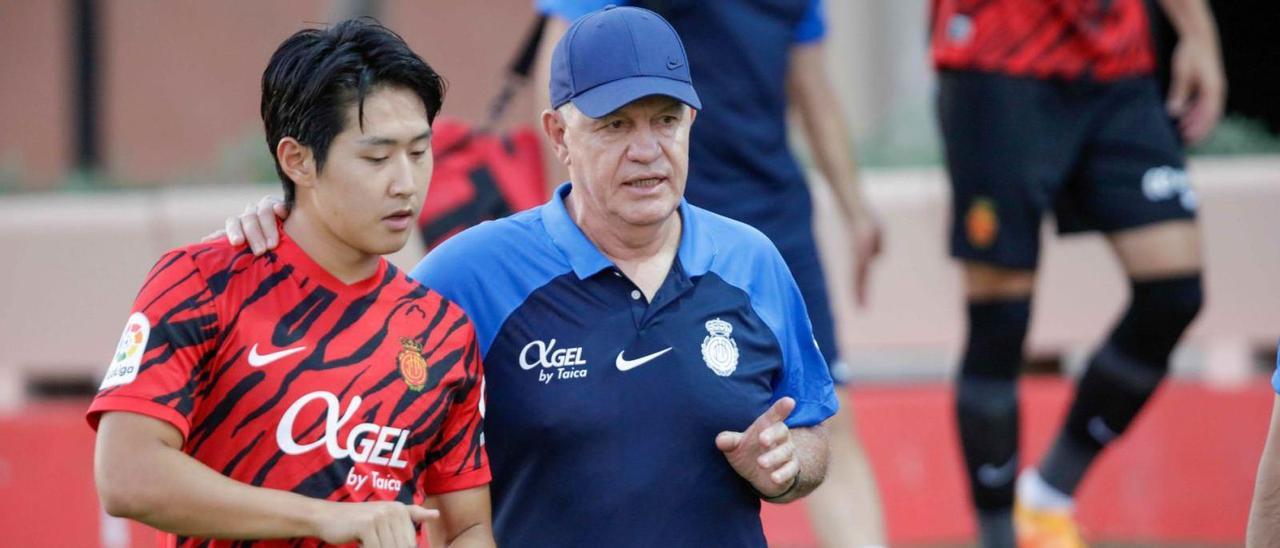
(1035, 493)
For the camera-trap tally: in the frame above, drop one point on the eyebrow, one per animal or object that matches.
(374, 140)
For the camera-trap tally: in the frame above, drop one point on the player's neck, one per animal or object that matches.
(643, 253)
(348, 264)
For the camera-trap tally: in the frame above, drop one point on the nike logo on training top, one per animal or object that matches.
(259, 360)
(627, 365)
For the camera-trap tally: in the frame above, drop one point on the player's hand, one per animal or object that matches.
(373, 524)
(256, 225)
(1198, 87)
(764, 455)
(867, 241)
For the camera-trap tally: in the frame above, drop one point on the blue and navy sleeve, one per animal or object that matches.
(812, 28)
(570, 10)
(805, 376)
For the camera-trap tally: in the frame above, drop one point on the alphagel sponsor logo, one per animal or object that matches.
(366, 442)
(547, 355)
(558, 363)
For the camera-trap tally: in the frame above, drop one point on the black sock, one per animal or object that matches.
(1122, 375)
(987, 399)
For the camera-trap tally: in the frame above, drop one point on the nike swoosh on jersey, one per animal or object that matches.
(627, 365)
(259, 360)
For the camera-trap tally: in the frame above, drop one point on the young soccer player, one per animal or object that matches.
(314, 393)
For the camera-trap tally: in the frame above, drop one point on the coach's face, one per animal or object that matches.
(374, 180)
(629, 166)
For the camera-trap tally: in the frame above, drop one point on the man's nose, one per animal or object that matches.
(402, 176)
(644, 147)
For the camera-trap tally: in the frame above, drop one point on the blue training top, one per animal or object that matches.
(602, 408)
(740, 165)
(1275, 378)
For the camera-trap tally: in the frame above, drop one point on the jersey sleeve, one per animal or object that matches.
(805, 376)
(812, 27)
(570, 10)
(457, 458)
(170, 333)
(1275, 378)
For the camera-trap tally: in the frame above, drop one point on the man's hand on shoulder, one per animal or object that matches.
(256, 225)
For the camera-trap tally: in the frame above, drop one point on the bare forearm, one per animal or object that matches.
(812, 455)
(1191, 18)
(1264, 514)
(826, 132)
(142, 475)
(476, 536)
(466, 517)
(183, 496)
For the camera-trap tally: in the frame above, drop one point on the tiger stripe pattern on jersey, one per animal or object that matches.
(1067, 39)
(279, 375)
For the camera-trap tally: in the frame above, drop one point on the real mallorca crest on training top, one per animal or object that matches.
(279, 375)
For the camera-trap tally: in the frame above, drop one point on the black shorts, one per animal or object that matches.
(1101, 155)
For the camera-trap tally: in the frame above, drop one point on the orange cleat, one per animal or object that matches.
(1045, 528)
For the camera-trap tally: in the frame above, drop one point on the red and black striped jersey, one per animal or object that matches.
(279, 375)
(1101, 39)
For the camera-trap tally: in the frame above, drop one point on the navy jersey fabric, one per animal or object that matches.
(602, 407)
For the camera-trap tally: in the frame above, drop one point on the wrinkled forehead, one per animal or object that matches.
(648, 104)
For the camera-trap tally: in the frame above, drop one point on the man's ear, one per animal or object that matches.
(297, 161)
(553, 124)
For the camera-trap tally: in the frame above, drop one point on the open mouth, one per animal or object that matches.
(646, 183)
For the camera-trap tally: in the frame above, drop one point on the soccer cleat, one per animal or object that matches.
(1045, 528)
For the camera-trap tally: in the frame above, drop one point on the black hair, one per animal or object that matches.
(317, 73)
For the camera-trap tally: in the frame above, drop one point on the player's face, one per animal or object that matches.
(630, 165)
(375, 178)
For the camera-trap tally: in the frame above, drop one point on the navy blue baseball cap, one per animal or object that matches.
(613, 56)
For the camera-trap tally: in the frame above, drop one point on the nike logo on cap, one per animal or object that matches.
(627, 365)
(673, 64)
(259, 360)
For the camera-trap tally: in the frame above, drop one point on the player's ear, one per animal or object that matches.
(297, 161)
(553, 124)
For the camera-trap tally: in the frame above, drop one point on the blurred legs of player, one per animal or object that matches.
(999, 306)
(1162, 262)
(845, 509)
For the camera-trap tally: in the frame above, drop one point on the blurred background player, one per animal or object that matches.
(1051, 106)
(750, 61)
(314, 394)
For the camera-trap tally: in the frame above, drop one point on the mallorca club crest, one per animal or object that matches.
(413, 367)
(718, 349)
(982, 223)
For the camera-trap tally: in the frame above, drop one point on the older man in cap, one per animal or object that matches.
(650, 366)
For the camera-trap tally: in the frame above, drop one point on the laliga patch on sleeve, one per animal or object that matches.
(128, 356)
